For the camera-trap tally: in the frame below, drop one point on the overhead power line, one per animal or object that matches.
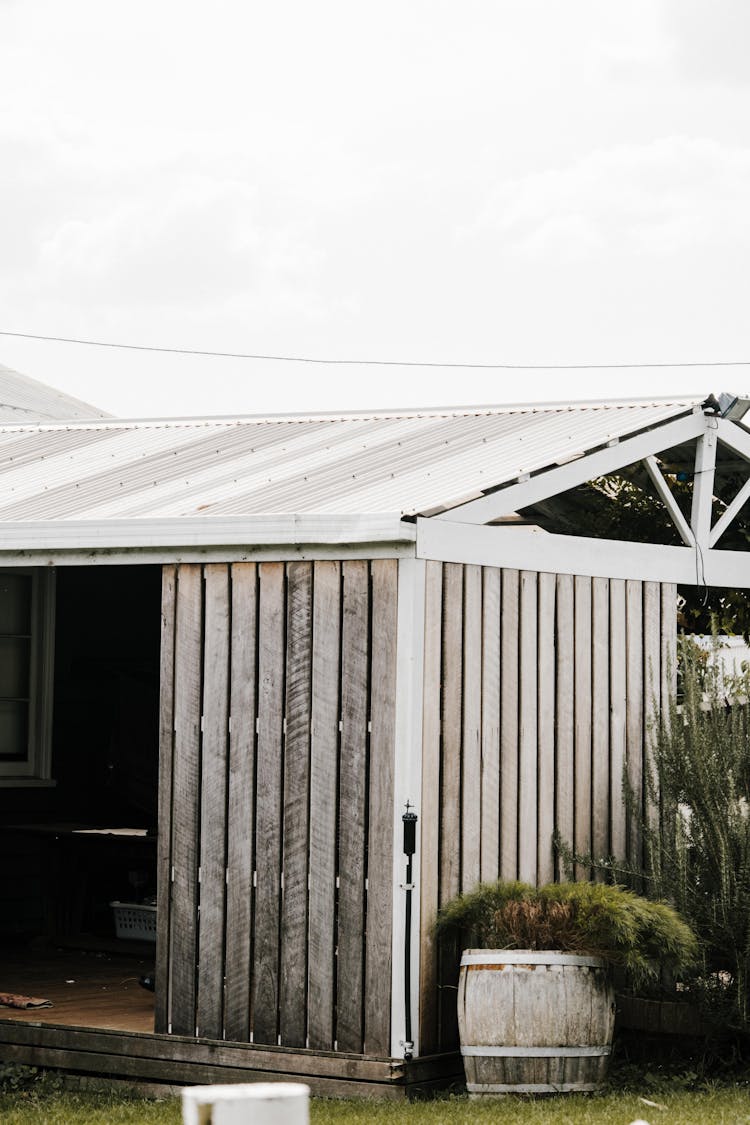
(380, 362)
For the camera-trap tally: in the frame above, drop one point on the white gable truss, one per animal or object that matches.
(463, 535)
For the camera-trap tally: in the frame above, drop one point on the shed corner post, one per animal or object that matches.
(407, 787)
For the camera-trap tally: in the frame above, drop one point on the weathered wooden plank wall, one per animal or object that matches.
(555, 678)
(276, 828)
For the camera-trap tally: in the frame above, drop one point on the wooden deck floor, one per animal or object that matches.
(86, 989)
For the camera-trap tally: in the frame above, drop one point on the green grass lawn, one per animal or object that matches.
(45, 1105)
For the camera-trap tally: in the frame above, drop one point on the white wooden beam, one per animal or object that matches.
(667, 497)
(206, 531)
(529, 549)
(703, 485)
(734, 508)
(554, 481)
(139, 556)
(733, 435)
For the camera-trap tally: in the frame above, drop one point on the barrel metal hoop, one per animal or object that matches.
(502, 957)
(531, 1087)
(536, 1052)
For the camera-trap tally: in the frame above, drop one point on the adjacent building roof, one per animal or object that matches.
(399, 463)
(23, 400)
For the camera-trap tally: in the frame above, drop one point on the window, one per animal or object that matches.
(26, 656)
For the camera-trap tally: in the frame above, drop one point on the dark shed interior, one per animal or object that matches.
(59, 867)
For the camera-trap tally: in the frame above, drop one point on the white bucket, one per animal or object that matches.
(251, 1103)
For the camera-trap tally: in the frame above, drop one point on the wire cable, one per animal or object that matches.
(376, 362)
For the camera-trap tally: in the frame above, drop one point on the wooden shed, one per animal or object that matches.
(236, 648)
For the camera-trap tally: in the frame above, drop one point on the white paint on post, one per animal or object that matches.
(407, 786)
(703, 487)
(252, 1103)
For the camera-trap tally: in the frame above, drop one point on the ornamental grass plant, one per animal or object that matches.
(605, 921)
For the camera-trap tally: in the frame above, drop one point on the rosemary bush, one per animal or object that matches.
(589, 918)
(696, 854)
(699, 856)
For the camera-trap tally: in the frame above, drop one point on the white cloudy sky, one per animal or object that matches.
(489, 181)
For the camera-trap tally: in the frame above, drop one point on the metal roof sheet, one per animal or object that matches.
(24, 399)
(397, 463)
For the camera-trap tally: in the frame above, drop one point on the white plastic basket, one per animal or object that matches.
(134, 921)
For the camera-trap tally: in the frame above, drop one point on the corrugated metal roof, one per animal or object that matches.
(23, 399)
(401, 463)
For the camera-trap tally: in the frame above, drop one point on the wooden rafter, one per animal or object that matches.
(733, 510)
(667, 498)
(560, 479)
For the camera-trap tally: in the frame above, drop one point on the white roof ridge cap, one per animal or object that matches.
(227, 420)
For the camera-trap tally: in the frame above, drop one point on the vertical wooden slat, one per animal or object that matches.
(651, 691)
(352, 805)
(527, 734)
(430, 819)
(323, 789)
(546, 731)
(450, 795)
(210, 1006)
(164, 849)
(490, 810)
(240, 840)
(293, 973)
(565, 723)
(269, 806)
(617, 715)
(634, 709)
(668, 678)
(509, 726)
(668, 683)
(582, 711)
(186, 797)
(600, 762)
(450, 785)
(380, 813)
(471, 763)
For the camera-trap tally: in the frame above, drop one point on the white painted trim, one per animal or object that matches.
(732, 510)
(651, 466)
(407, 785)
(552, 482)
(206, 531)
(533, 549)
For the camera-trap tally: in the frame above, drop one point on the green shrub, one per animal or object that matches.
(588, 918)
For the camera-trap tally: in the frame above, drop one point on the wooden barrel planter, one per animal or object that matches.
(534, 1022)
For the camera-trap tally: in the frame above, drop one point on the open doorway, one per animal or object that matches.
(84, 837)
